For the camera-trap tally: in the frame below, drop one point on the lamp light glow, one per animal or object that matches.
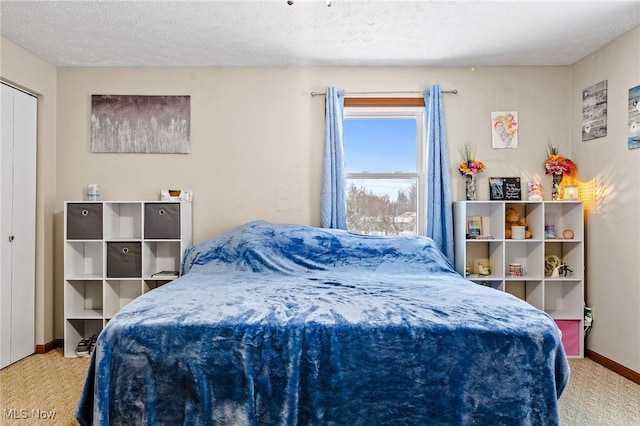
(570, 192)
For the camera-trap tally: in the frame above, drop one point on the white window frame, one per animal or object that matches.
(417, 113)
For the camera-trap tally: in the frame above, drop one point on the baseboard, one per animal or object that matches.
(55, 343)
(634, 376)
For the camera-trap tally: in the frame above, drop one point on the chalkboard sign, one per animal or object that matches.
(505, 188)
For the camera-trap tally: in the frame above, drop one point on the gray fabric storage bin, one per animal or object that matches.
(162, 220)
(84, 221)
(124, 260)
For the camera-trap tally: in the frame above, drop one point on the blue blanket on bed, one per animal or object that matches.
(293, 325)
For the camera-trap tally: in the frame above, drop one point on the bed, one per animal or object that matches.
(274, 324)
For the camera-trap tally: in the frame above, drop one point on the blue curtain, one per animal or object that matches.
(439, 214)
(333, 196)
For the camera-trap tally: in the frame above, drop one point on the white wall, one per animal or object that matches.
(257, 134)
(613, 229)
(22, 69)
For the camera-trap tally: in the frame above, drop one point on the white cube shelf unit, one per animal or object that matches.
(112, 250)
(562, 297)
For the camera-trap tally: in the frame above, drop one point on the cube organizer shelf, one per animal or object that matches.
(562, 297)
(112, 250)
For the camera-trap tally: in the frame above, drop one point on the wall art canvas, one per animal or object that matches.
(143, 124)
(594, 111)
(504, 129)
(634, 118)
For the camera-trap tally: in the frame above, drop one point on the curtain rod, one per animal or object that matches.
(454, 91)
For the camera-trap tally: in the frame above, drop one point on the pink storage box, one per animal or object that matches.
(571, 335)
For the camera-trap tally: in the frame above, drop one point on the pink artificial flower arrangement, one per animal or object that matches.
(556, 164)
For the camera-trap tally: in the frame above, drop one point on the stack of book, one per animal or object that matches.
(165, 275)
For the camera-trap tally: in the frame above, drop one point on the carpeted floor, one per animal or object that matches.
(41, 386)
(596, 396)
(44, 389)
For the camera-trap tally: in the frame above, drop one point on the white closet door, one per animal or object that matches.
(6, 223)
(18, 223)
(24, 226)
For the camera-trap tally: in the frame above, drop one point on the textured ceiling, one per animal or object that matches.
(308, 33)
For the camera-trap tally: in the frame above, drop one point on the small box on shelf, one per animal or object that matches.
(162, 220)
(84, 221)
(571, 335)
(124, 260)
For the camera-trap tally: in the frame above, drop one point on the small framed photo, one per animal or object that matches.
(474, 227)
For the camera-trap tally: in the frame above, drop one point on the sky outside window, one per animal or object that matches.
(380, 145)
(381, 163)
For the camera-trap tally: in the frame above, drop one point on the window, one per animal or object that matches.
(385, 149)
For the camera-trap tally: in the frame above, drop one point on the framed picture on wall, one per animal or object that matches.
(633, 141)
(594, 111)
(141, 124)
(504, 129)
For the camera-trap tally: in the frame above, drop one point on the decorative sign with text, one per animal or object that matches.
(505, 188)
(594, 111)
